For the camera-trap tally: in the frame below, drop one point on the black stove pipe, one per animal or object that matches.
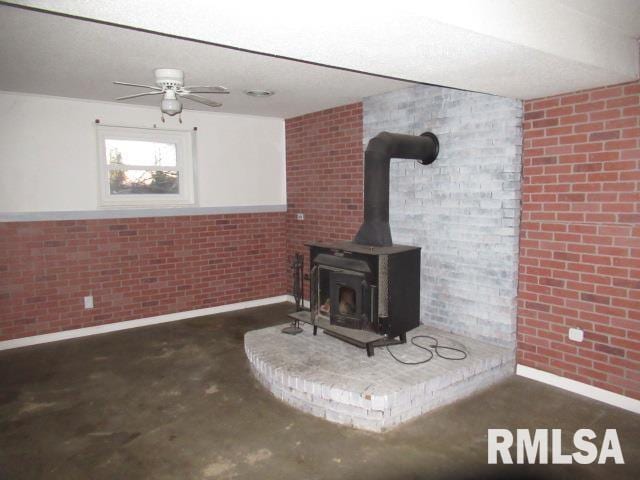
(381, 149)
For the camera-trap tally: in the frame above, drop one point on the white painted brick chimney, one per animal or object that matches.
(463, 210)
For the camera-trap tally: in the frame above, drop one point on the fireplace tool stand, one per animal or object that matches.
(297, 291)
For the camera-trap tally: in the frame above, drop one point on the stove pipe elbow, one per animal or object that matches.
(375, 230)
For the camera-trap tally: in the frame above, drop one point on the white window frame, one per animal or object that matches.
(184, 141)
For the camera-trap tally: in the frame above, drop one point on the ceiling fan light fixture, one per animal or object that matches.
(259, 93)
(171, 106)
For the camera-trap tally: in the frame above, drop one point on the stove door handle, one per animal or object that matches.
(373, 313)
(313, 293)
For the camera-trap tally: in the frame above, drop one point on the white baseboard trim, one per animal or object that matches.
(141, 322)
(580, 388)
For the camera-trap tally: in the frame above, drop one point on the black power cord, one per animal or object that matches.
(436, 347)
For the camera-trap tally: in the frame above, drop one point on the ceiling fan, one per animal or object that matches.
(170, 83)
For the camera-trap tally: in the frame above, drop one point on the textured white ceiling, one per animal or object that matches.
(54, 55)
(621, 15)
(515, 48)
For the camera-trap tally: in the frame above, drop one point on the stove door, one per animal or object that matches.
(351, 300)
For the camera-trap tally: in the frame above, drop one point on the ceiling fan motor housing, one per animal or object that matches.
(169, 77)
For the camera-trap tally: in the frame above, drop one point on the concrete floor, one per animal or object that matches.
(178, 401)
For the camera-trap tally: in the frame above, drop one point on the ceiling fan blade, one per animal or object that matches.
(138, 85)
(207, 89)
(199, 99)
(139, 95)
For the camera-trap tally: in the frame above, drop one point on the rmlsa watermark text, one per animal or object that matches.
(535, 449)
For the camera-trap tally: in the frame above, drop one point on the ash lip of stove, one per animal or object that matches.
(367, 292)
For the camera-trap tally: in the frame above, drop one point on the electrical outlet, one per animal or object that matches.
(88, 302)
(299, 216)
(576, 334)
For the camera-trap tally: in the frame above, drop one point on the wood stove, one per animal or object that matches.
(375, 289)
(367, 292)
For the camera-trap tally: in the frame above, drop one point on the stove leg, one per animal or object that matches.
(315, 329)
(369, 350)
(403, 338)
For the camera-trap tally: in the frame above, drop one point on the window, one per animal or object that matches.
(145, 167)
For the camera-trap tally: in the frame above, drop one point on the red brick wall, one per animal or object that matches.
(580, 237)
(134, 268)
(324, 176)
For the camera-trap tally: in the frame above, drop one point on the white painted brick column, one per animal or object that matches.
(463, 210)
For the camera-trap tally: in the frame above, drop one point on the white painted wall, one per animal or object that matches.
(48, 153)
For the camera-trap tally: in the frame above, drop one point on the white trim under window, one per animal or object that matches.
(167, 180)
